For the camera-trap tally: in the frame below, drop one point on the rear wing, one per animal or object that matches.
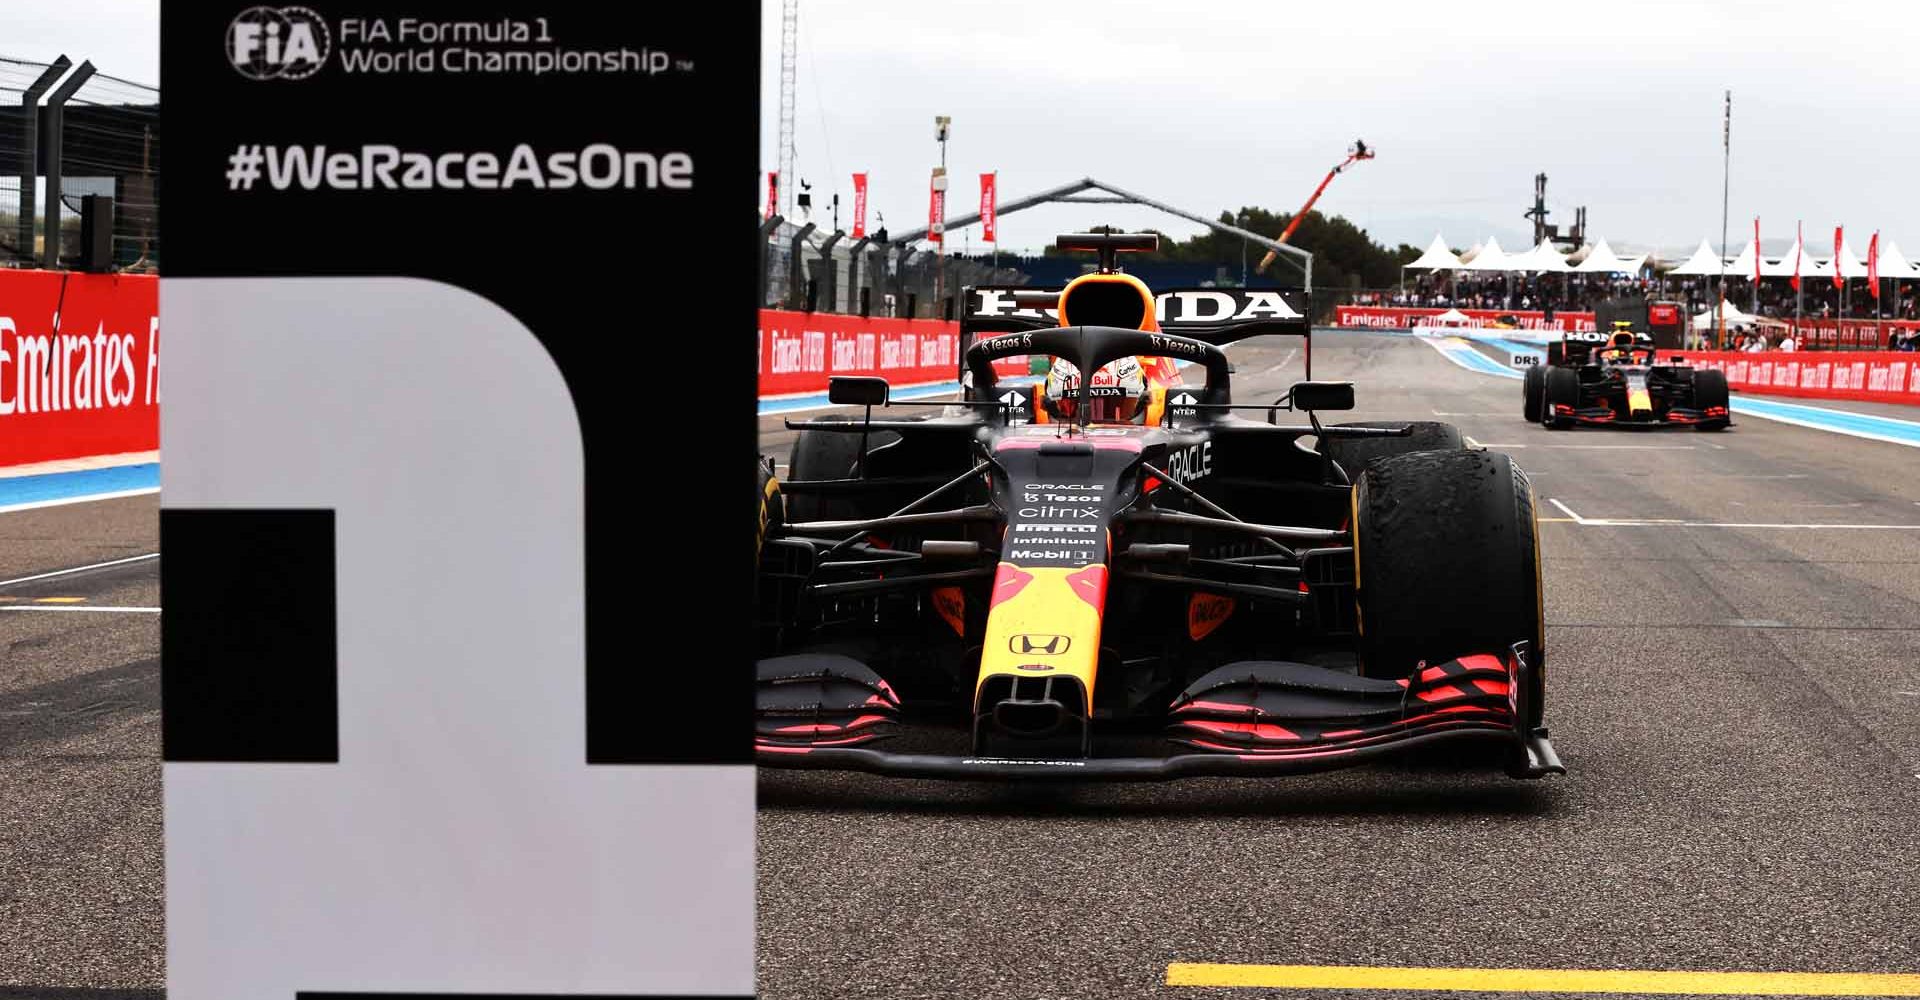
(1580, 344)
(1217, 316)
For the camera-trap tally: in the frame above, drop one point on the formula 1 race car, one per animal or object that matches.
(1117, 577)
(1615, 379)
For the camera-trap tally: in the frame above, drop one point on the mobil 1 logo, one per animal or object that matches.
(1058, 524)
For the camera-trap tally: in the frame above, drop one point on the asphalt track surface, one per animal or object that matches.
(81, 866)
(1739, 709)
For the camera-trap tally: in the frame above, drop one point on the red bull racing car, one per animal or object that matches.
(1615, 379)
(1123, 574)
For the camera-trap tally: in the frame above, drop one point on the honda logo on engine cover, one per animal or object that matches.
(1031, 644)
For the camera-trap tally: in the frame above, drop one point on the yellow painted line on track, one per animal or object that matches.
(1361, 977)
(1558, 520)
(58, 600)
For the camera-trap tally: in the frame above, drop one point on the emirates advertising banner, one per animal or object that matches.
(426, 729)
(79, 365)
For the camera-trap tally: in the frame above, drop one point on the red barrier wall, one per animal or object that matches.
(799, 351)
(1875, 376)
(79, 365)
(1398, 318)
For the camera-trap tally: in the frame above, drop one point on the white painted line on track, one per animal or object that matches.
(1283, 361)
(80, 569)
(1564, 509)
(88, 498)
(1676, 522)
(79, 607)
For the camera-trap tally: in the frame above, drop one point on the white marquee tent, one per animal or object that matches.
(1487, 257)
(1703, 261)
(1545, 257)
(1602, 260)
(1894, 264)
(1437, 257)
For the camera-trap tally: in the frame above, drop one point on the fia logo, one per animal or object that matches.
(284, 43)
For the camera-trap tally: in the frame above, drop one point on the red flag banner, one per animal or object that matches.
(1873, 265)
(1756, 248)
(989, 232)
(773, 192)
(859, 206)
(937, 207)
(1797, 244)
(1839, 238)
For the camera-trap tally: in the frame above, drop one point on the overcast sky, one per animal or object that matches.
(1211, 105)
(122, 37)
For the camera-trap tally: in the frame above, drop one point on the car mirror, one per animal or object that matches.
(857, 390)
(1322, 395)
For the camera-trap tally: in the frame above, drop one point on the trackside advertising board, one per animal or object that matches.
(454, 703)
(1872, 376)
(79, 365)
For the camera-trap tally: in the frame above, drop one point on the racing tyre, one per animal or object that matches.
(1354, 454)
(1447, 562)
(822, 455)
(1556, 354)
(1531, 390)
(1561, 387)
(772, 510)
(1710, 389)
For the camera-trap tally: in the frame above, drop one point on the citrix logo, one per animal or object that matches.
(278, 43)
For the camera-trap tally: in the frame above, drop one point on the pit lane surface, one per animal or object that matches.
(81, 868)
(1738, 708)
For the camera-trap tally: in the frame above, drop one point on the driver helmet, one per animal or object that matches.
(1116, 395)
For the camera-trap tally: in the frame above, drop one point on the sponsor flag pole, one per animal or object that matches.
(1756, 265)
(859, 206)
(1873, 281)
(1799, 242)
(1726, 172)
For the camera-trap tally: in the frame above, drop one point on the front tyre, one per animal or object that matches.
(772, 508)
(1447, 563)
(1561, 387)
(1709, 390)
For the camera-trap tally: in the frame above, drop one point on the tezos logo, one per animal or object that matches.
(278, 43)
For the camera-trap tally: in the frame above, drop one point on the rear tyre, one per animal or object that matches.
(822, 455)
(1556, 353)
(1354, 454)
(1710, 389)
(1532, 390)
(1561, 388)
(1447, 557)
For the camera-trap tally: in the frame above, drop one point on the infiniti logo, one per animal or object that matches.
(278, 43)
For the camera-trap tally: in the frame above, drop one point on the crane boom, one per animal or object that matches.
(1359, 151)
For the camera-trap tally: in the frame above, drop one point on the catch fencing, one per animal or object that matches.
(83, 137)
(805, 269)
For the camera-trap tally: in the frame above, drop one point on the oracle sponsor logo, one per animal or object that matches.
(54, 372)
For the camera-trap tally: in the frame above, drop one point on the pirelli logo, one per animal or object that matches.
(1034, 644)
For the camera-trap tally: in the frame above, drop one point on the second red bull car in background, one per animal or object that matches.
(1618, 379)
(1126, 576)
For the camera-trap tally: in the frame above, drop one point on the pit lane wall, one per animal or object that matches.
(79, 365)
(1870, 376)
(799, 351)
(1403, 318)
